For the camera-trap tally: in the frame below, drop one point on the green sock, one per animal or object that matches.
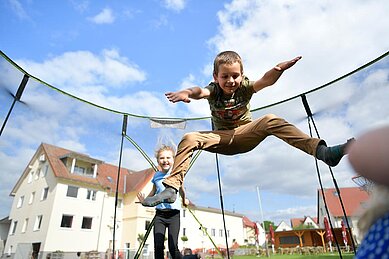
(330, 155)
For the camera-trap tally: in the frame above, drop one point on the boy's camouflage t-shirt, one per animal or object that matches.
(229, 112)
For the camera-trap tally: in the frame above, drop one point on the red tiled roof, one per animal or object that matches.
(106, 173)
(247, 222)
(295, 222)
(352, 198)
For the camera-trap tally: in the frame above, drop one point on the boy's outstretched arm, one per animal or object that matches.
(271, 76)
(187, 94)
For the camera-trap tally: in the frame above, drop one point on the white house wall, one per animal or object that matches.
(134, 217)
(31, 211)
(210, 220)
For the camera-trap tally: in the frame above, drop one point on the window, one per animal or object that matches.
(72, 191)
(20, 202)
(120, 203)
(228, 233)
(146, 250)
(86, 223)
(32, 196)
(147, 224)
(291, 240)
(25, 225)
(67, 221)
(13, 227)
(184, 231)
(350, 222)
(45, 193)
(220, 232)
(91, 195)
(38, 222)
(205, 231)
(36, 175)
(183, 213)
(43, 171)
(29, 179)
(79, 170)
(213, 232)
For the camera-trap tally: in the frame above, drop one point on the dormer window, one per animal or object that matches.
(81, 165)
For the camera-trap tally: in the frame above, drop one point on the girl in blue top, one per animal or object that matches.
(167, 214)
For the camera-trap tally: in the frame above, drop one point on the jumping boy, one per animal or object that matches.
(235, 132)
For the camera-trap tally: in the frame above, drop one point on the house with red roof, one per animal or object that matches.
(254, 232)
(353, 199)
(66, 201)
(306, 222)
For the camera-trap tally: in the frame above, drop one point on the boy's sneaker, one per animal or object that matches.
(168, 195)
(332, 155)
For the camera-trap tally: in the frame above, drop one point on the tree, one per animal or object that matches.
(184, 239)
(267, 224)
(303, 226)
(140, 238)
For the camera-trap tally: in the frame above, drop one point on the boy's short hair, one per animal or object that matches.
(164, 148)
(226, 57)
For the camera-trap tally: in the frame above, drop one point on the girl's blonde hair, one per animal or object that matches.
(377, 206)
(164, 148)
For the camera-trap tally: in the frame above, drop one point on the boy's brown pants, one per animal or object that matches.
(239, 140)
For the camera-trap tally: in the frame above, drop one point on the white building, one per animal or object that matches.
(283, 226)
(65, 201)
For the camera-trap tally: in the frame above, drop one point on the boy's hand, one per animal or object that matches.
(287, 64)
(180, 96)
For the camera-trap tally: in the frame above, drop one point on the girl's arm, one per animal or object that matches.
(141, 196)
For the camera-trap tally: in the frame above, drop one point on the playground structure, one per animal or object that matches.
(34, 111)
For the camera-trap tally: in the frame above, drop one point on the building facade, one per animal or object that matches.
(65, 202)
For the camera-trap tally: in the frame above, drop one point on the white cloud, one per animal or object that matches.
(73, 71)
(162, 21)
(18, 9)
(175, 5)
(80, 5)
(289, 213)
(106, 16)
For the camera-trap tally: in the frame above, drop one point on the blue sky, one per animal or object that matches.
(125, 55)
